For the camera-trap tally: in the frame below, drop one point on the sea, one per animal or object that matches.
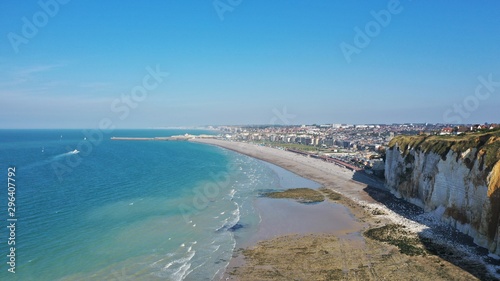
(90, 208)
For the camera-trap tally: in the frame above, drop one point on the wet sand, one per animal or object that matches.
(303, 242)
(286, 216)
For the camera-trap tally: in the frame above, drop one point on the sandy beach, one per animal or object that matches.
(406, 244)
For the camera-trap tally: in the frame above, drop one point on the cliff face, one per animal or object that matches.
(457, 178)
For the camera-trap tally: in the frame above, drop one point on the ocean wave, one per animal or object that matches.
(189, 272)
(217, 247)
(232, 220)
(181, 273)
(176, 269)
(156, 262)
(221, 270)
(232, 193)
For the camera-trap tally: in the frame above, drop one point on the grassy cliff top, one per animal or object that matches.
(486, 143)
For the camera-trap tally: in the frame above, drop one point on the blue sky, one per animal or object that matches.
(247, 62)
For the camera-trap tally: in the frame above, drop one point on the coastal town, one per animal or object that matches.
(389, 201)
(358, 147)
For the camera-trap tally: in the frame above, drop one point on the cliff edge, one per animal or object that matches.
(455, 177)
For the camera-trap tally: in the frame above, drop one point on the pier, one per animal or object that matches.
(171, 138)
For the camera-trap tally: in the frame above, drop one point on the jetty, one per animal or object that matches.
(171, 138)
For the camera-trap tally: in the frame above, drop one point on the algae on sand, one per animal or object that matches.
(395, 234)
(332, 195)
(302, 195)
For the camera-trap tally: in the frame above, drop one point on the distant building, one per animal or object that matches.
(346, 144)
(446, 131)
(327, 142)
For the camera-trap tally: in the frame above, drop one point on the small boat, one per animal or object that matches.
(74, 151)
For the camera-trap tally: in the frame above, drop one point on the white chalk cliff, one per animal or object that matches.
(456, 178)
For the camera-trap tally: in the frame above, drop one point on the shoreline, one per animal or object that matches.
(312, 217)
(372, 205)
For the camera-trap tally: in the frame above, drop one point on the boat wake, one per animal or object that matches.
(51, 159)
(69, 153)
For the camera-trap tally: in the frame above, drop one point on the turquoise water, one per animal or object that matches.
(126, 210)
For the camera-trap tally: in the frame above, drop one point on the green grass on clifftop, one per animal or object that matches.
(486, 143)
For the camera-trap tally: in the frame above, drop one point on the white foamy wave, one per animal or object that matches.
(232, 220)
(202, 264)
(156, 262)
(223, 226)
(177, 266)
(181, 272)
(232, 192)
(218, 274)
(236, 217)
(216, 248)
